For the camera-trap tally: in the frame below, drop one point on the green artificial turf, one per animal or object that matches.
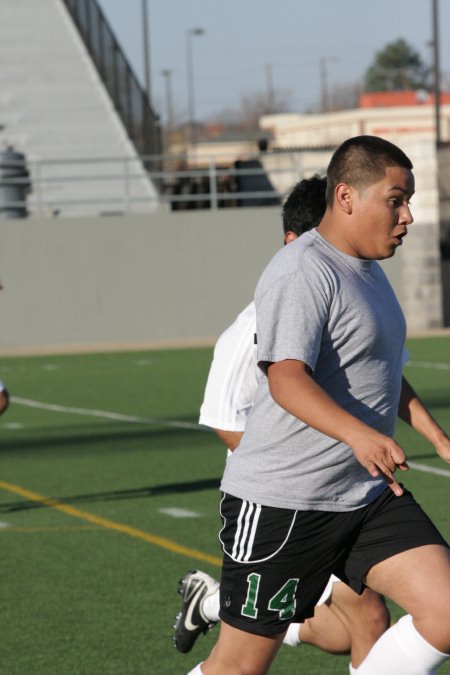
(90, 589)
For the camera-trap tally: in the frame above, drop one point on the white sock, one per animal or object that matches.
(402, 651)
(351, 670)
(197, 670)
(211, 606)
(292, 637)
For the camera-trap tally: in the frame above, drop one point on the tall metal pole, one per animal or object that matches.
(323, 85)
(190, 82)
(324, 89)
(169, 105)
(436, 73)
(270, 89)
(146, 50)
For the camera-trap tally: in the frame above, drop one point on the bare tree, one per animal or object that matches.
(345, 95)
(341, 96)
(256, 104)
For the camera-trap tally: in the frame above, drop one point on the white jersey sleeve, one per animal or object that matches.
(233, 376)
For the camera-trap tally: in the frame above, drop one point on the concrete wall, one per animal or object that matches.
(132, 282)
(116, 281)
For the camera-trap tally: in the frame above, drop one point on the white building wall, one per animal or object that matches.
(397, 124)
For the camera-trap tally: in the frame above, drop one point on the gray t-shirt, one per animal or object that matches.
(340, 316)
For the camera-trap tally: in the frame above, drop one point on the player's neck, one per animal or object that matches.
(332, 229)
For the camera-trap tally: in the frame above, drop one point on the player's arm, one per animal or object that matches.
(293, 388)
(230, 438)
(412, 411)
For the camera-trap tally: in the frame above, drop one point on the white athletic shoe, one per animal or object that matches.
(191, 621)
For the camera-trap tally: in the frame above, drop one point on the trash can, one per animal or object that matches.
(15, 184)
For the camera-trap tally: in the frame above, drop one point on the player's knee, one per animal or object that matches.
(376, 617)
(381, 618)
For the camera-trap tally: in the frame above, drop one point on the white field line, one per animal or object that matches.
(433, 365)
(187, 425)
(118, 417)
(429, 469)
(176, 512)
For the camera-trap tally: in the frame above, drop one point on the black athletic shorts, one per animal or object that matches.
(277, 561)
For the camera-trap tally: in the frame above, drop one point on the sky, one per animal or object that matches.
(247, 42)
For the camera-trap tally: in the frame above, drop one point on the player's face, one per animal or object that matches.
(382, 215)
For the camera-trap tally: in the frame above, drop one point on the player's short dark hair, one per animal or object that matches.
(361, 161)
(305, 206)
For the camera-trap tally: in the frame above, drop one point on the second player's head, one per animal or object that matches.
(305, 206)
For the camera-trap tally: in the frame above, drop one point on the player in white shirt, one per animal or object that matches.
(344, 622)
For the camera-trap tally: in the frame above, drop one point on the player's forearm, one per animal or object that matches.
(412, 411)
(230, 438)
(296, 391)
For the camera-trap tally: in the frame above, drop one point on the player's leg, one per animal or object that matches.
(324, 630)
(419, 581)
(399, 553)
(365, 617)
(241, 653)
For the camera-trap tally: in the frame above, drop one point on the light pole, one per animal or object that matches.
(436, 72)
(146, 50)
(167, 74)
(324, 91)
(270, 89)
(190, 82)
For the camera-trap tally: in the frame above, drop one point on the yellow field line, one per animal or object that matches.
(154, 539)
(75, 528)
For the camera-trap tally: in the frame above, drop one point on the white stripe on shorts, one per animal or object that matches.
(246, 531)
(253, 532)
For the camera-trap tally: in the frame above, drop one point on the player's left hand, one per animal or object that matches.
(4, 400)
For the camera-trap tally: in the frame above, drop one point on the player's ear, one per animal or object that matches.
(343, 196)
(289, 236)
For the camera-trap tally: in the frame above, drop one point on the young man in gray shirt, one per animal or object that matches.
(305, 493)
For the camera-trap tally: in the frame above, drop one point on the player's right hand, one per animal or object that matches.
(381, 456)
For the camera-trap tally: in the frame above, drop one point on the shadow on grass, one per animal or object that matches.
(133, 493)
(115, 495)
(88, 435)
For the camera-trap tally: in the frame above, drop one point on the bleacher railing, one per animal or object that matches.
(119, 186)
(129, 98)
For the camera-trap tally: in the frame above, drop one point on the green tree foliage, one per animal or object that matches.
(396, 67)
